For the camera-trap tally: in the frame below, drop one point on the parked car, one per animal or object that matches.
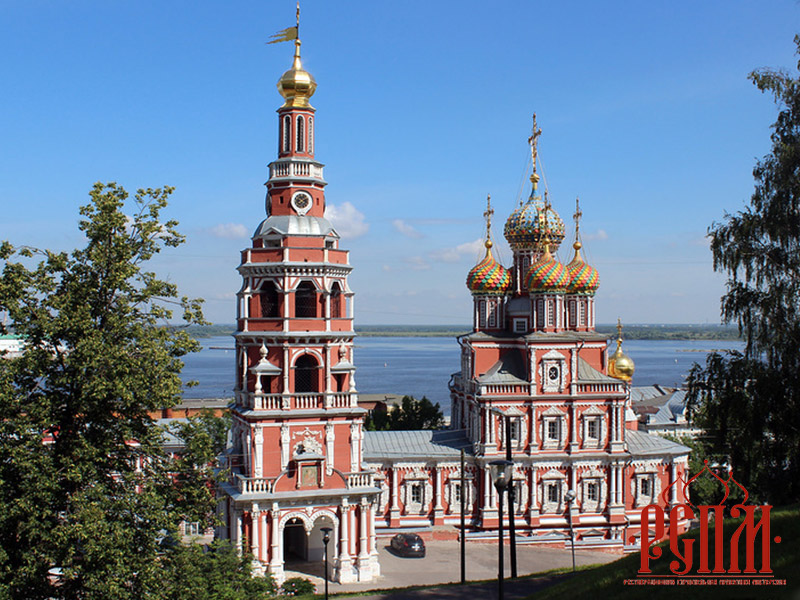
(408, 544)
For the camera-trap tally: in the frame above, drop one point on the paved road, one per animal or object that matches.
(441, 565)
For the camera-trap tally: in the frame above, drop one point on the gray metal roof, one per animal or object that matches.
(444, 443)
(509, 369)
(647, 393)
(645, 444)
(587, 373)
(663, 409)
(295, 225)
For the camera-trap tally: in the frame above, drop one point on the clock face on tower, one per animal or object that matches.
(301, 202)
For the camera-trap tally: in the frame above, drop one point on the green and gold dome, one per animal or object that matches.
(526, 227)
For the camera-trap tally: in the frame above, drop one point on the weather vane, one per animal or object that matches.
(288, 34)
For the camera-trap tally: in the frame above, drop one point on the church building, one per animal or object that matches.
(301, 460)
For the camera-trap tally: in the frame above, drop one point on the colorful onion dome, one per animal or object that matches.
(489, 276)
(583, 278)
(525, 227)
(547, 275)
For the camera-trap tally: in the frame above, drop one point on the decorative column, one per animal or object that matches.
(438, 511)
(364, 571)
(258, 438)
(345, 564)
(328, 397)
(264, 549)
(534, 504)
(573, 442)
(286, 368)
(236, 530)
(255, 522)
(285, 443)
(329, 454)
(394, 511)
(276, 559)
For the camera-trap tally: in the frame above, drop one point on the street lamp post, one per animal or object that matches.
(326, 537)
(512, 529)
(570, 496)
(501, 471)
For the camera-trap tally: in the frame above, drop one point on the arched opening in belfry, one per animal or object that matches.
(306, 375)
(305, 300)
(336, 301)
(270, 302)
(295, 541)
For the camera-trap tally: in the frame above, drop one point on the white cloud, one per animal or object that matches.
(230, 231)
(452, 255)
(406, 229)
(598, 235)
(347, 220)
(417, 263)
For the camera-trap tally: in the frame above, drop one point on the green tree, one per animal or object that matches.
(214, 573)
(87, 493)
(410, 414)
(748, 402)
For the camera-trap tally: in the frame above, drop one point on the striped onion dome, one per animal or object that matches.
(583, 278)
(547, 275)
(489, 276)
(525, 227)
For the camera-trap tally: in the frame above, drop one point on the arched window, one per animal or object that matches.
(305, 300)
(300, 135)
(305, 375)
(287, 133)
(310, 135)
(336, 301)
(270, 304)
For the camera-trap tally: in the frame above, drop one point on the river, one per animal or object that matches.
(422, 366)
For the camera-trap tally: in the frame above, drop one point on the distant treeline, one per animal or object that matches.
(629, 332)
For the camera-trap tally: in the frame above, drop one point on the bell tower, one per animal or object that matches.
(297, 430)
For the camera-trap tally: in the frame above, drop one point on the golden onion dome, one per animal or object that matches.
(297, 85)
(583, 278)
(620, 365)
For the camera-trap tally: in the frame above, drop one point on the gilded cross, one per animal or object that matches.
(488, 215)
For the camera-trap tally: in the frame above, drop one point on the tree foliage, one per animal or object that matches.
(213, 573)
(749, 402)
(88, 494)
(410, 414)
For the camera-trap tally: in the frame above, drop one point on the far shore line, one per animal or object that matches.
(688, 332)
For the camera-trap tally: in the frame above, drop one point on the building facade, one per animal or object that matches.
(301, 460)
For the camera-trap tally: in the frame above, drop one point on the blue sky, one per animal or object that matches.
(422, 109)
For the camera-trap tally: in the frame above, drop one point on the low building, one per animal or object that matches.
(664, 413)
